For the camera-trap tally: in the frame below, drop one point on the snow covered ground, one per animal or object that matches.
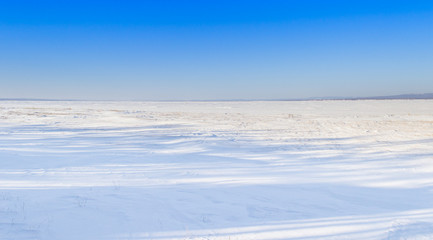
(216, 170)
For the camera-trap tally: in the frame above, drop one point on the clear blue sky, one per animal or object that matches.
(169, 50)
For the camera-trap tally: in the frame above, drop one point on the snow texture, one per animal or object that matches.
(216, 170)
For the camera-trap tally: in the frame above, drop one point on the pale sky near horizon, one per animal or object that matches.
(186, 50)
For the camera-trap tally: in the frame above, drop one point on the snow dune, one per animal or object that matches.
(216, 170)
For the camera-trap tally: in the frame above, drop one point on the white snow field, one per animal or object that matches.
(216, 170)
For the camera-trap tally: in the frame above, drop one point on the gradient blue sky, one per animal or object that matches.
(172, 50)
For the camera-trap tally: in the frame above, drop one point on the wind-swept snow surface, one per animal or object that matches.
(216, 170)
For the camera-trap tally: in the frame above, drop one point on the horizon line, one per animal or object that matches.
(408, 96)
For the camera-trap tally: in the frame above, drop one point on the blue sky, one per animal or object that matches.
(183, 50)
